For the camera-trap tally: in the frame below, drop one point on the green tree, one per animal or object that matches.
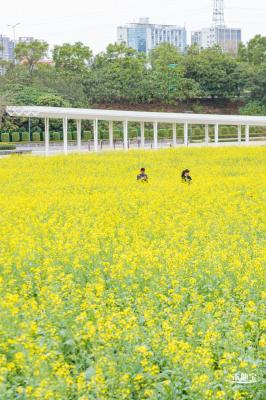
(74, 58)
(255, 51)
(165, 55)
(31, 52)
(67, 85)
(117, 75)
(256, 86)
(218, 74)
(242, 54)
(168, 81)
(171, 86)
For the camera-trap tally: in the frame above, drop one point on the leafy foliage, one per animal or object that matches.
(253, 108)
(255, 51)
(73, 58)
(31, 53)
(120, 75)
(217, 74)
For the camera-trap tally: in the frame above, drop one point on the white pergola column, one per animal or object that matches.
(185, 133)
(247, 134)
(174, 134)
(125, 129)
(111, 134)
(142, 134)
(155, 135)
(95, 134)
(79, 134)
(65, 123)
(216, 133)
(206, 134)
(239, 134)
(46, 135)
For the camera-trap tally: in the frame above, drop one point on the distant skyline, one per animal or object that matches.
(94, 22)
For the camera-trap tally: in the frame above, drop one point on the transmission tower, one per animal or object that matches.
(218, 13)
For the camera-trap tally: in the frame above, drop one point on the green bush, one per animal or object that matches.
(36, 137)
(197, 108)
(25, 137)
(197, 133)
(15, 136)
(7, 146)
(253, 108)
(74, 135)
(103, 133)
(87, 135)
(118, 134)
(55, 136)
(179, 132)
(69, 136)
(37, 129)
(5, 137)
(165, 133)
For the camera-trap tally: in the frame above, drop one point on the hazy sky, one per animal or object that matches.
(94, 22)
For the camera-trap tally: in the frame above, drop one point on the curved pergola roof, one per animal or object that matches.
(139, 116)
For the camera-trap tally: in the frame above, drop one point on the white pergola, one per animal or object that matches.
(155, 118)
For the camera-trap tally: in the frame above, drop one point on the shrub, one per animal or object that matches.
(118, 134)
(37, 129)
(197, 108)
(69, 136)
(222, 130)
(7, 146)
(25, 137)
(5, 137)
(36, 137)
(231, 131)
(211, 130)
(15, 136)
(55, 136)
(165, 133)
(197, 133)
(253, 108)
(180, 132)
(87, 135)
(74, 135)
(133, 133)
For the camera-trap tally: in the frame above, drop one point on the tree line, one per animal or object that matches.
(120, 75)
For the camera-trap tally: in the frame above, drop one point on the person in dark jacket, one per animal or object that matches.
(143, 177)
(185, 176)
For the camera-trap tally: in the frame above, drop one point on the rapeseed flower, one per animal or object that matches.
(114, 290)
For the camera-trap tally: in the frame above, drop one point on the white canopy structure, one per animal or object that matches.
(95, 115)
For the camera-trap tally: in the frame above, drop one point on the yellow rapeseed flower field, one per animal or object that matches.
(115, 289)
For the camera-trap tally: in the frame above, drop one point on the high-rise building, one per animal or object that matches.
(26, 39)
(143, 36)
(6, 52)
(6, 48)
(218, 34)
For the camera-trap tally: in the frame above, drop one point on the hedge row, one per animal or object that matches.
(37, 136)
(14, 137)
(7, 146)
(197, 132)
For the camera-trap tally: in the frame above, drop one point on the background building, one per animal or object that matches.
(6, 48)
(218, 34)
(143, 36)
(26, 39)
(6, 52)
